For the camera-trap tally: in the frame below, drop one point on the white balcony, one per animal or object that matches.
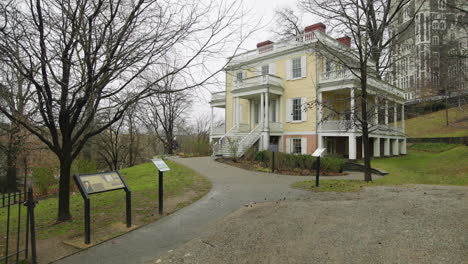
(276, 127)
(258, 82)
(335, 125)
(218, 99)
(219, 130)
(338, 76)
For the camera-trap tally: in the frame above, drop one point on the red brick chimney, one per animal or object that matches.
(345, 40)
(264, 43)
(318, 26)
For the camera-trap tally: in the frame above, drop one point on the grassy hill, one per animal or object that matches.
(433, 124)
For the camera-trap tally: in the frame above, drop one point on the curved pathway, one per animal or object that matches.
(232, 188)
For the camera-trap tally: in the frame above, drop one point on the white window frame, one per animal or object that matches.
(293, 147)
(293, 110)
(296, 72)
(265, 69)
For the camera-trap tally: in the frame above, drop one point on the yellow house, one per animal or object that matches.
(289, 97)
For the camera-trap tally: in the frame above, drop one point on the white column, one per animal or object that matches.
(249, 115)
(395, 147)
(376, 147)
(319, 108)
(280, 110)
(403, 146)
(262, 102)
(267, 111)
(395, 116)
(211, 121)
(386, 147)
(320, 141)
(352, 147)
(352, 110)
(238, 111)
(403, 118)
(376, 110)
(234, 111)
(386, 112)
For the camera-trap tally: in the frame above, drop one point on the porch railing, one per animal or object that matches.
(276, 127)
(219, 130)
(258, 80)
(335, 75)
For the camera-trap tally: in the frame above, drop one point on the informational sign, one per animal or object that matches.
(160, 164)
(318, 152)
(101, 182)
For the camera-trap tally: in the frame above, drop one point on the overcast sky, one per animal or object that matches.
(263, 9)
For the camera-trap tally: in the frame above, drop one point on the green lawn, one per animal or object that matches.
(108, 209)
(434, 124)
(449, 167)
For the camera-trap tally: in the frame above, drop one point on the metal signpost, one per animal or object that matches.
(99, 183)
(162, 167)
(317, 153)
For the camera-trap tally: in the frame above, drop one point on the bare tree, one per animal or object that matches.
(164, 113)
(82, 55)
(367, 23)
(288, 24)
(15, 95)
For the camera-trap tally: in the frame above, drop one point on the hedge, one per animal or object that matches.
(285, 161)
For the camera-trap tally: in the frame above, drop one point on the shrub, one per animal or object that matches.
(294, 162)
(44, 179)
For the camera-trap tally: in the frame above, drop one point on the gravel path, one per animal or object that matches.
(232, 189)
(413, 224)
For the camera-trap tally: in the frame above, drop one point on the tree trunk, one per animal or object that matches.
(64, 187)
(365, 125)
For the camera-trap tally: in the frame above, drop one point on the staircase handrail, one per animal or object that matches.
(220, 141)
(248, 135)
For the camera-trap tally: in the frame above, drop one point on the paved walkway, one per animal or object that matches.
(232, 189)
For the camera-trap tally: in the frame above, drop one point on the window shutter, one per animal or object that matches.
(288, 110)
(288, 145)
(304, 66)
(234, 77)
(258, 70)
(244, 74)
(303, 109)
(288, 70)
(303, 145)
(272, 68)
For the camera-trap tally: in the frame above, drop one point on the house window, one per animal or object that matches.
(265, 69)
(239, 76)
(273, 111)
(296, 146)
(297, 109)
(296, 68)
(435, 40)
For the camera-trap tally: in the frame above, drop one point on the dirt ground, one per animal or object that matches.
(57, 247)
(413, 224)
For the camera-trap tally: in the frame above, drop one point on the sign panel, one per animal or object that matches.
(101, 182)
(160, 164)
(318, 152)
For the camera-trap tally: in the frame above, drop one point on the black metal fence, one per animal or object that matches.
(17, 227)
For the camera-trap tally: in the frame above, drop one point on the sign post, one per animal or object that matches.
(89, 184)
(317, 153)
(162, 167)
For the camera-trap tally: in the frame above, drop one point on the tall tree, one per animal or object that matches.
(82, 56)
(164, 113)
(367, 23)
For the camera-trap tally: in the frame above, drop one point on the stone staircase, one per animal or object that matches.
(237, 142)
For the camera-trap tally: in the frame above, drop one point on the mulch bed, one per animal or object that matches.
(260, 166)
